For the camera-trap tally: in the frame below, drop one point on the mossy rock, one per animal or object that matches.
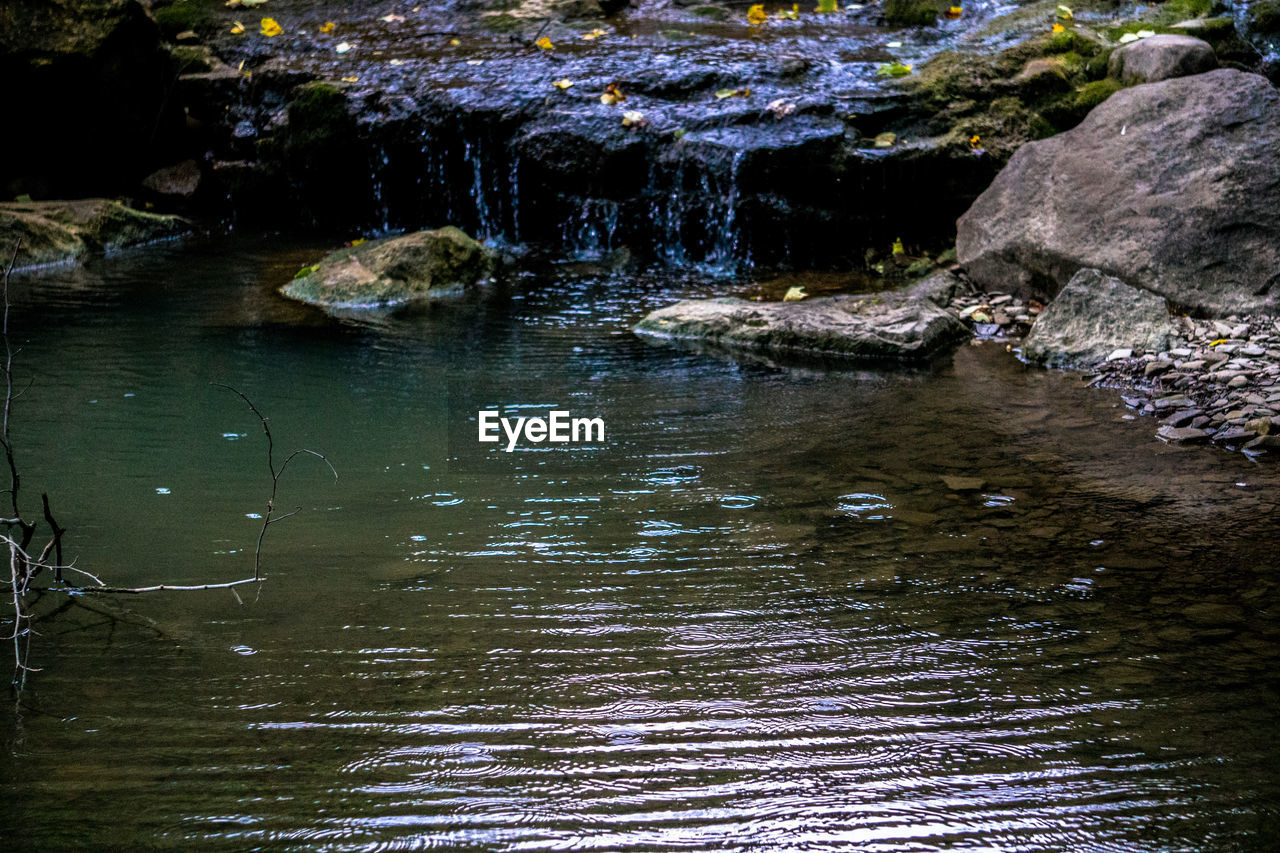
(712, 12)
(56, 232)
(394, 271)
(1265, 17)
(192, 59)
(910, 13)
(182, 15)
(1066, 112)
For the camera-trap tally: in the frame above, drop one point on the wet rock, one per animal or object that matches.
(178, 182)
(1182, 435)
(1094, 316)
(1087, 198)
(885, 326)
(964, 484)
(87, 97)
(1161, 57)
(54, 232)
(394, 271)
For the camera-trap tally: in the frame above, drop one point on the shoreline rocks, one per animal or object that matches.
(894, 326)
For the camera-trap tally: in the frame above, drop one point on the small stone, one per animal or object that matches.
(1175, 401)
(1238, 381)
(1182, 435)
(1157, 367)
(1118, 354)
(1182, 418)
(1252, 351)
(1234, 435)
(1263, 442)
(1262, 426)
(1195, 364)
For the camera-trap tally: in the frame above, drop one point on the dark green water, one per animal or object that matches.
(755, 617)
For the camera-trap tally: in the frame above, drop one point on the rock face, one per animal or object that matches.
(88, 96)
(394, 271)
(1173, 187)
(1161, 57)
(885, 326)
(54, 232)
(1095, 315)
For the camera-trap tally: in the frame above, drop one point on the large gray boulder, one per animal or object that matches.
(1095, 315)
(386, 273)
(1161, 57)
(1173, 187)
(882, 326)
(57, 232)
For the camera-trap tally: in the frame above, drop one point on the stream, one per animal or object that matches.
(974, 607)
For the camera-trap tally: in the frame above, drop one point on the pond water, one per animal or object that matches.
(756, 616)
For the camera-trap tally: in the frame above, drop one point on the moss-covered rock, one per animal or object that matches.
(57, 232)
(1265, 17)
(910, 13)
(323, 154)
(394, 271)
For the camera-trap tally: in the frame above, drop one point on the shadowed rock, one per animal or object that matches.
(54, 232)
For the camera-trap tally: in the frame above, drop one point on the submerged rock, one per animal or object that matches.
(54, 232)
(394, 271)
(1161, 57)
(1173, 187)
(1093, 318)
(882, 326)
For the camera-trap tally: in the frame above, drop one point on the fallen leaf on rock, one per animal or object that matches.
(898, 248)
(594, 34)
(1218, 342)
(562, 83)
(1057, 28)
(721, 94)
(357, 242)
(454, 42)
(756, 15)
(397, 62)
(545, 43)
(885, 140)
(612, 95)
(893, 69)
(975, 141)
(794, 294)
(350, 79)
(270, 27)
(633, 118)
(342, 48)
(392, 19)
(792, 14)
(1065, 13)
(954, 12)
(327, 27)
(236, 28)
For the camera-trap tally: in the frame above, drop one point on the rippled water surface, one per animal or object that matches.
(756, 616)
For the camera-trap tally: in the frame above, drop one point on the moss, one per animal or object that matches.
(317, 113)
(1071, 41)
(1265, 17)
(192, 59)
(910, 13)
(1068, 111)
(181, 16)
(715, 13)
(1096, 67)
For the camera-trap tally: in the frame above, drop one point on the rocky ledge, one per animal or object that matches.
(59, 232)
(897, 326)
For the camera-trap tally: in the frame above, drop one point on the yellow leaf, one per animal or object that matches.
(327, 27)
(594, 34)
(357, 242)
(236, 28)
(1057, 28)
(792, 14)
(612, 95)
(794, 294)
(1218, 342)
(721, 94)
(350, 79)
(454, 42)
(756, 15)
(270, 28)
(975, 141)
(898, 248)
(545, 43)
(954, 12)
(893, 69)
(562, 83)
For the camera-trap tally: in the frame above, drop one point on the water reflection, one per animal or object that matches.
(761, 618)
